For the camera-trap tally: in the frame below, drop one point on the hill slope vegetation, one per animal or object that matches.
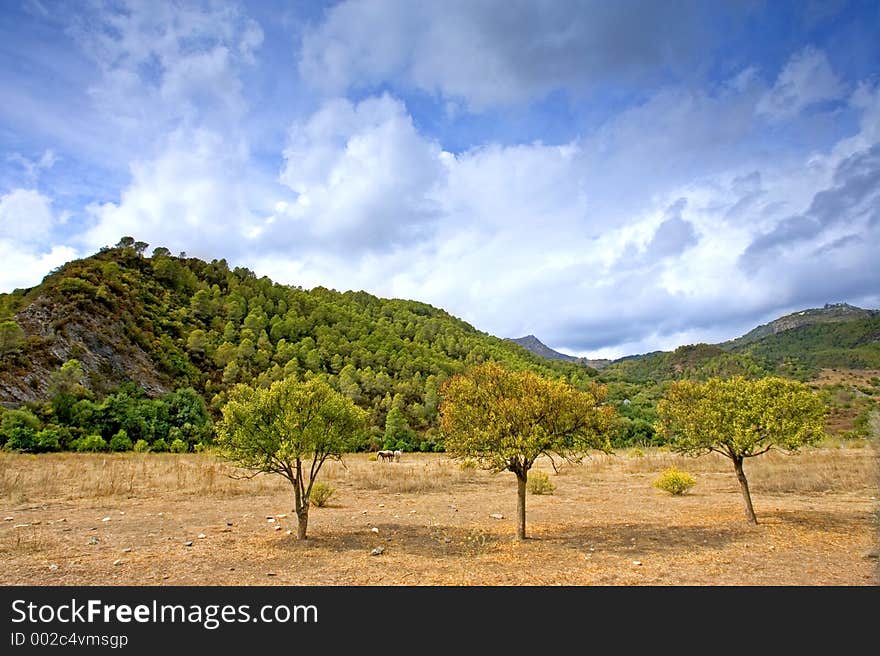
(167, 323)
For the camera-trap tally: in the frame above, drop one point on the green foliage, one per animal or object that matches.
(504, 419)
(290, 428)
(674, 481)
(740, 418)
(121, 441)
(178, 446)
(208, 327)
(19, 427)
(11, 337)
(321, 493)
(21, 438)
(91, 443)
(159, 445)
(50, 438)
(141, 446)
(806, 349)
(539, 483)
(398, 434)
(697, 361)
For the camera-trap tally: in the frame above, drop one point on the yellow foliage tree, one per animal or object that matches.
(505, 420)
(740, 419)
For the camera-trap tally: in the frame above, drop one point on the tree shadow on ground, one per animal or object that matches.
(836, 520)
(643, 537)
(460, 541)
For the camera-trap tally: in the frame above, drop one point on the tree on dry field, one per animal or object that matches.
(740, 419)
(506, 419)
(291, 429)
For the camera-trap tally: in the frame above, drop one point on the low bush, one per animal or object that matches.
(674, 481)
(179, 446)
(539, 483)
(91, 443)
(321, 493)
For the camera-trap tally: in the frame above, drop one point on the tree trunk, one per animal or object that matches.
(301, 508)
(521, 505)
(744, 486)
(302, 522)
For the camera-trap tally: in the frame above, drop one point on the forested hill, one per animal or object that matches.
(166, 322)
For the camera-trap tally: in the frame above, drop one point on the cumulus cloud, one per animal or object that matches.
(496, 52)
(24, 267)
(674, 236)
(807, 79)
(675, 216)
(26, 227)
(588, 244)
(364, 176)
(25, 216)
(196, 195)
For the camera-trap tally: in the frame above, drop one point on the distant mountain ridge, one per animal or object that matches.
(536, 346)
(797, 344)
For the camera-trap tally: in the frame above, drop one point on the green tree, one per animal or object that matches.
(505, 420)
(121, 441)
(740, 419)
(19, 425)
(398, 434)
(290, 429)
(197, 343)
(11, 337)
(68, 379)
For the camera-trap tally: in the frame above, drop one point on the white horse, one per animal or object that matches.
(397, 455)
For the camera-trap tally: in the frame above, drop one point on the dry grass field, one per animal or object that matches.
(78, 519)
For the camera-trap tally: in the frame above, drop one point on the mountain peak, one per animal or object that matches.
(536, 346)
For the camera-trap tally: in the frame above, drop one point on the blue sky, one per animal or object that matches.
(611, 177)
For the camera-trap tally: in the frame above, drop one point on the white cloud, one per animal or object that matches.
(197, 195)
(164, 64)
(25, 216)
(33, 168)
(498, 51)
(23, 268)
(805, 80)
(26, 226)
(587, 244)
(363, 174)
(627, 237)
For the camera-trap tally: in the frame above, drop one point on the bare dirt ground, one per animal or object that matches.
(76, 519)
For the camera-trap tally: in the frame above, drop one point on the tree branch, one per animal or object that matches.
(764, 450)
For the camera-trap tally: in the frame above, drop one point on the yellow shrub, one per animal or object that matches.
(540, 483)
(674, 481)
(321, 493)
